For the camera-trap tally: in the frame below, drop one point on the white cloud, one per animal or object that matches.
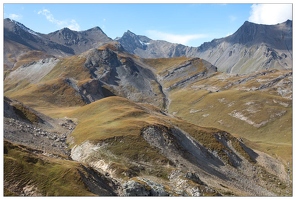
(71, 24)
(174, 38)
(270, 13)
(15, 16)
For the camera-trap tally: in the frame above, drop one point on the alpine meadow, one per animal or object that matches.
(88, 115)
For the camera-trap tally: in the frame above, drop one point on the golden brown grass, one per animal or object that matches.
(55, 92)
(69, 67)
(51, 176)
(52, 90)
(111, 117)
(210, 109)
(163, 64)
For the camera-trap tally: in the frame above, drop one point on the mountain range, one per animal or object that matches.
(251, 48)
(86, 115)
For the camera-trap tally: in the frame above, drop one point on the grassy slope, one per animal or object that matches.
(162, 65)
(214, 110)
(70, 67)
(51, 177)
(110, 117)
(52, 90)
(204, 108)
(120, 121)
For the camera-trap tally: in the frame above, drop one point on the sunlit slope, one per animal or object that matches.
(111, 117)
(131, 140)
(42, 176)
(258, 108)
(114, 117)
(178, 72)
(255, 106)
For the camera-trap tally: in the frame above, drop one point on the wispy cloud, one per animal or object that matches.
(15, 16)
(174, 38)
(71, 24)
(270, 13)
(232, 18)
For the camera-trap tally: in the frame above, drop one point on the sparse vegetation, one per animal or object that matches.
(209, 109)
(136, 157)
(49, 176)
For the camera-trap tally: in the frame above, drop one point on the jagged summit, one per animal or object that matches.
(130, 41)
(129, 32)
(16, 27)
(80, 41)
(273, 35)
(18, 39)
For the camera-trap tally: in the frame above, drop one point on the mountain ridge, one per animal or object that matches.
(228, 54)
(272, 42)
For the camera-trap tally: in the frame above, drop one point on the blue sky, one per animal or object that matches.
(189, 24)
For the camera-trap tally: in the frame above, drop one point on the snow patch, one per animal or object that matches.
(144, 43)
(25, 28)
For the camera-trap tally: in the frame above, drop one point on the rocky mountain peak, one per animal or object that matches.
(130, 41)
(67, 33)
(17, 27)
(66, 30)
(250, 33)
(130, 33)
(95, 29)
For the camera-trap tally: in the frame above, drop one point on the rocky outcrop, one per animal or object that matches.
(98, 183)
(143, 187)
(120, 75)
(43, 134)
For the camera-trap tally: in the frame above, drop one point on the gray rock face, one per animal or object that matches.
(15, 32)
(252, 47)
(144, 187)
(122, 75)
(133, 188)
(194, 177)
(79, 41)
(131, 41)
